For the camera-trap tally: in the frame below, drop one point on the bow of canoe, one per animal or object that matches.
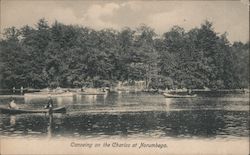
(4, 110)
(167, 95)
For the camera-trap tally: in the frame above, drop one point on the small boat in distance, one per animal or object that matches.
(4, 110)
(89, 93)
(92, 91)
(167, 95)
(47, 94)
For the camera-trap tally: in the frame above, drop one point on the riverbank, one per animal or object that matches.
(134, 90)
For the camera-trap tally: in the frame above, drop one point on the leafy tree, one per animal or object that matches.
(74, 56)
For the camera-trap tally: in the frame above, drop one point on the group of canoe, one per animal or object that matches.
(7, 110)
(50, 93)
(67, 93)
(61, 93)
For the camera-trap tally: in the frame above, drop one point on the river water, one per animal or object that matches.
(132, 115)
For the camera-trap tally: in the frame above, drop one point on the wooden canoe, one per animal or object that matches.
(91, 93)
(4, 110)
(167, 95)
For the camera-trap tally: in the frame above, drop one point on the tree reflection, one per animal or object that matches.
(168, 101)
(50, 126)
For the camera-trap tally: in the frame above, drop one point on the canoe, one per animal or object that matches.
(52, 94)
(91, 93)
(9, 96)
(4, 110)
(167, 95)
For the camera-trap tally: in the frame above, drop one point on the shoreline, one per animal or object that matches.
(137, 90)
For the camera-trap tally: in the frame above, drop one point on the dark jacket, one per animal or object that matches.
(49, 104)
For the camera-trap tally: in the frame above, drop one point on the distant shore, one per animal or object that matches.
(238, 90)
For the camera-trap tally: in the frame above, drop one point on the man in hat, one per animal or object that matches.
(49, 105)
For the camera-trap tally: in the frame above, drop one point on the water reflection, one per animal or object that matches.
(207, 124)
(12, 120)
(168, 103)
(90, 98)
(58, 100)
(64, 100)
(50, 126)
(78, 98)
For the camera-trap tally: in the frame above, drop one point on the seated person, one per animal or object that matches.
(13, 105)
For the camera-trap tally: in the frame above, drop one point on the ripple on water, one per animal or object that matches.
(18, 132)
(76, 134)
(15, 135)
(34, 132)
(140, 115)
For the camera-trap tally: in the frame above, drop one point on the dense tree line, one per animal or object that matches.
(74, 56)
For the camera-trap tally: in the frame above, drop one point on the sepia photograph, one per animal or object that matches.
(139, 77)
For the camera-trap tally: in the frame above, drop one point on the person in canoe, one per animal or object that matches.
(13, 105)
(49, 105)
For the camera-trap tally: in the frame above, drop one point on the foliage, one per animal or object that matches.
(73, 56)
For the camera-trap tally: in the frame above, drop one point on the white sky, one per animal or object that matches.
(230, 16)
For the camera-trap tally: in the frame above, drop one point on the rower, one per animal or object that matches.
(13, 105)
(49, 105)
